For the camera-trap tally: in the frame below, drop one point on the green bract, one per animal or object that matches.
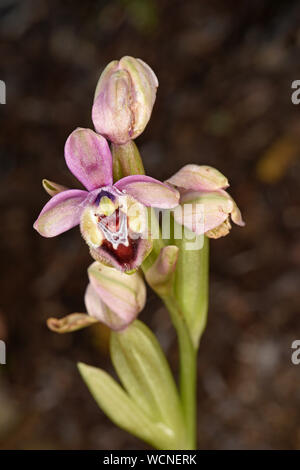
(148, 405)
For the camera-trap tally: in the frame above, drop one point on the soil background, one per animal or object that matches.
(225, 70)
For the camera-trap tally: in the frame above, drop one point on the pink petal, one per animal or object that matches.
(199, 178)
(61, 213)
(149, 191)
(89, 158)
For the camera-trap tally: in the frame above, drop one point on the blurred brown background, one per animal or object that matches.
(225, 70)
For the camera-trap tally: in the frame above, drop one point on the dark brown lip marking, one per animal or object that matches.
(124, 255)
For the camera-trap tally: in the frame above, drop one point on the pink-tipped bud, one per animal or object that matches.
(124, 98)
(122, 296)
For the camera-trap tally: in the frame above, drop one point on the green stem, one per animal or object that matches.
(188, 370)
(126, 160)
(188, 309)
(187, 303)
(191, 285)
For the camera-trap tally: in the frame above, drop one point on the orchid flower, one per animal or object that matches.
(111, 297)
(204, 186)
(111, 216)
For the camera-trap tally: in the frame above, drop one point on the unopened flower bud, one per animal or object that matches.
(123, 294)
(112, 297)
(124, 99)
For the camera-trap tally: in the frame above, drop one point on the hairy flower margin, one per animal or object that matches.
(110, 215)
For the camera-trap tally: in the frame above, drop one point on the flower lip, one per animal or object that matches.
(110, 235)
(125, 259)
(124, 253)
